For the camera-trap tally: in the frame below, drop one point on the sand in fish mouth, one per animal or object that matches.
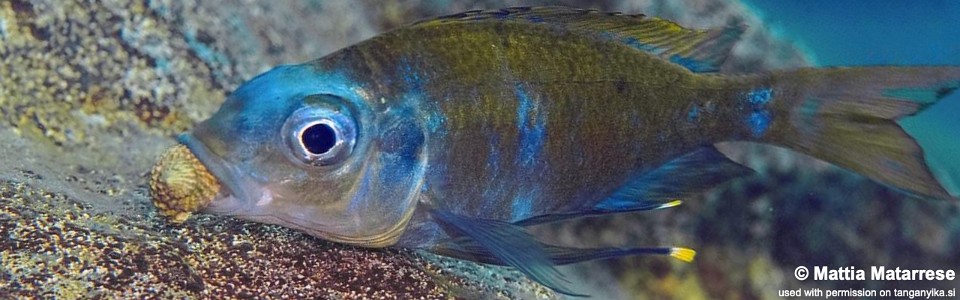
(180, 184)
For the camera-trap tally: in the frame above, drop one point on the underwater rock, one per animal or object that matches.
(91, 93)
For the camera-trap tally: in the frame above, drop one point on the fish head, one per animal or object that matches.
(311, 150)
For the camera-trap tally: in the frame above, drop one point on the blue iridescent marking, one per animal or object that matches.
(693, 114)
(402, 139)
(414, 81)
(696, 66)
(535, 19)
(522, 207)
(635, 43)
(759, 122)
(760, 118)
(434, 121)
(411, 76)
(760, 97)
(532, 132)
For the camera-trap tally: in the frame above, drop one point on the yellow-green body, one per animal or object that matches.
(471, 126)
(609, 111)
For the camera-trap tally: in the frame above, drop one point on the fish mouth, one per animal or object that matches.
(237, 189)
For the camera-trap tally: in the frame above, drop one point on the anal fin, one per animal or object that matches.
(680, 178)
(663, 187)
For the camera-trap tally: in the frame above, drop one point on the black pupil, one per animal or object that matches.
(318, 138)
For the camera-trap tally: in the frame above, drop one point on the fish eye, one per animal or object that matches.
(319, 138)
(320, 135)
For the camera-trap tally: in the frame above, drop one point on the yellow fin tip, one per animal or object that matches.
(675, 202)
(683, 254)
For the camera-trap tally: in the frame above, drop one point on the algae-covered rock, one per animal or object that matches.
(91, 92)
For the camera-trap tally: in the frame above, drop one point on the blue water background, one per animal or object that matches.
(864, 32)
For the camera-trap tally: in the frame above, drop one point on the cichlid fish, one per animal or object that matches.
(453, 134)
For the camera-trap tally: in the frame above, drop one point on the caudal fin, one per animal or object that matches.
(847, 116)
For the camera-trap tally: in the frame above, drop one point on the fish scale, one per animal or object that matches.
(590, 82)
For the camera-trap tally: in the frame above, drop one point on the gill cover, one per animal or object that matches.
(306, 148)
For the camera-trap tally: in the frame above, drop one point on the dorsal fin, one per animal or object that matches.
(697, 50)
